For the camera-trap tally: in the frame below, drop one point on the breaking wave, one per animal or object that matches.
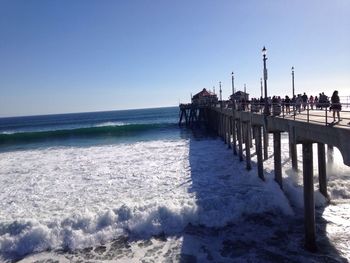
(105, 130)
(22, 237)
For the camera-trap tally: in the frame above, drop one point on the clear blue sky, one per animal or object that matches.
(75, 56)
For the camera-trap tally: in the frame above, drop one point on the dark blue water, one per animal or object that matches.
(89, 128)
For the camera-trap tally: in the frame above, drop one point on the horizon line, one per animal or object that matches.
(80, 112)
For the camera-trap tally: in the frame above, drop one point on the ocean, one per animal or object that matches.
(132, 186)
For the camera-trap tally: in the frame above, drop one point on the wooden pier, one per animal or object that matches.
(241, 127)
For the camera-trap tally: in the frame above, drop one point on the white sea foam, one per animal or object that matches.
(111, 123)
(66, 127)
(76, 197)
(7, 132)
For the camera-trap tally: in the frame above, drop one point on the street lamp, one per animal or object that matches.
(233, 92)
(266, 109)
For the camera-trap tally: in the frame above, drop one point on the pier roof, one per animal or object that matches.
(204, 93)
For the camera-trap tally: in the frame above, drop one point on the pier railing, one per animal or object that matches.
(345, 100)
(321, 113)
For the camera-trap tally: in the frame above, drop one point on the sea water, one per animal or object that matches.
(131, 186)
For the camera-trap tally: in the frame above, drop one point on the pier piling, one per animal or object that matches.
(322, 176)
(229, 131)
(240, 139)
(258, 150)
(266, 143)
(293, 149)
(294, 156)
(309, 202)
(247, 145)
(234, 133)
(277, 157)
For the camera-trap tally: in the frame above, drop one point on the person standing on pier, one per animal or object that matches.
(298, 102)
(287, 102)
(304, 100)
(311, 101)
(336, 106)
(316, 102)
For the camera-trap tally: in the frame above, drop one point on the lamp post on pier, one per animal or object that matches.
(234, 127)
(266, 109)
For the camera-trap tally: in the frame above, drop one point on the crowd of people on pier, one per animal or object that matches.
(298, 103)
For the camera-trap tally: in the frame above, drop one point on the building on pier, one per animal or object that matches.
(240, 95)
(205, 97)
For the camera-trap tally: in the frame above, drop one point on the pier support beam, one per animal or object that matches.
(322, 175)
(234, 143)
(186, 118)
(229, 130)
(277, 157)
(309, 202)
(218, 117)
(240, 139)
(251, 134)
(258, 150)
(293, 150)
(217, 123)
(293, 155)
(266, 143)
(220, 125)
(247, 146)
(225, 129)
(182, 114)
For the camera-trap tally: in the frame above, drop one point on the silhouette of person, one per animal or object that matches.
(335, 106)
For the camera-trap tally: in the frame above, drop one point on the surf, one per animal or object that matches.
(85, 132)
